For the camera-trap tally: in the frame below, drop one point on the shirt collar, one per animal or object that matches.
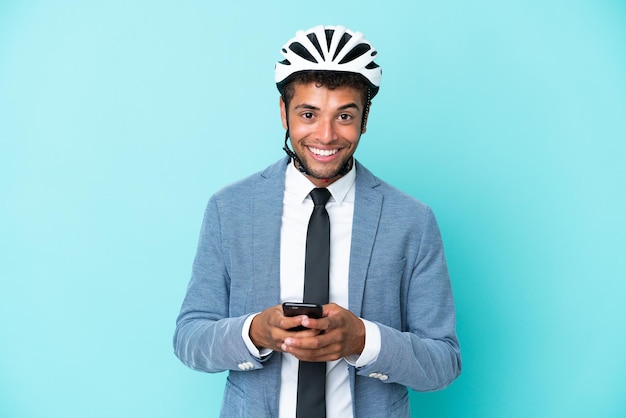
(300, 186)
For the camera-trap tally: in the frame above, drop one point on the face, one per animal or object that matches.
(324, 128)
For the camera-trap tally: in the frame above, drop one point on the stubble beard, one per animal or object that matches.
(324, 175)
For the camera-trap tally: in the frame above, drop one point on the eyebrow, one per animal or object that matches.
(307, 106)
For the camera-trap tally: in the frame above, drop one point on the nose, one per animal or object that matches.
(325, 131)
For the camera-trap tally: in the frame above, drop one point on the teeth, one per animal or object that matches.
(323, 152)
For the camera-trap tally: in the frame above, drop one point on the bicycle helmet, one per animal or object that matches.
(328, 48)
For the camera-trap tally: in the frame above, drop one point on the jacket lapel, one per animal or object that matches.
(367, 210)
(267, 211)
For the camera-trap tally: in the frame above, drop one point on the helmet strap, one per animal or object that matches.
(366, 110)
(293, 155)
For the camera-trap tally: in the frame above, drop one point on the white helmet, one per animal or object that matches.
(328, 48)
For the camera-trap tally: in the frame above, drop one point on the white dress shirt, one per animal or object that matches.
(297, 209)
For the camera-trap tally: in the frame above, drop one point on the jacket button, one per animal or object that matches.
(245, 366)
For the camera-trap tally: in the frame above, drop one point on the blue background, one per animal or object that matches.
(118, 119)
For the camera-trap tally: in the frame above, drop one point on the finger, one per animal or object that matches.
(306, 340)
(289, 322)
(329, 353)
(321, 324)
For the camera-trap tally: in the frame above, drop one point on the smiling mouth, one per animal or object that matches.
(323, 152)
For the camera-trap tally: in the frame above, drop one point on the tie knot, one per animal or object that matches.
(320, 196)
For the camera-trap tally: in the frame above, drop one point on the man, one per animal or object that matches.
(390, 320)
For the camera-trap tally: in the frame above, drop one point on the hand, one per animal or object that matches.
(339, 333)
(270, 328)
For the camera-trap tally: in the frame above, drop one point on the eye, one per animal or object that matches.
(307, 115)
(345, 117)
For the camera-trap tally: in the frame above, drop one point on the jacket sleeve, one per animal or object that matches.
(423, 351)
(206, 338)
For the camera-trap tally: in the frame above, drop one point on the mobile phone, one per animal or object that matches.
(312, 310)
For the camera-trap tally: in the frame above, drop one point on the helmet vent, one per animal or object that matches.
(342, 42)
(313, 38)
(300, 50)
(355, 53)
(329, 38)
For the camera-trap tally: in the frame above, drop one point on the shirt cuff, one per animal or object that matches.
(371, 348)
(245, 334)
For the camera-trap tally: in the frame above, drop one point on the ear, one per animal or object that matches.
(283, 112)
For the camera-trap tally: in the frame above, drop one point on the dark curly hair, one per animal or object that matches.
(329, 79)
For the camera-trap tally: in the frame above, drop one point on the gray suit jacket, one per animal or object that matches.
(398, 279)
